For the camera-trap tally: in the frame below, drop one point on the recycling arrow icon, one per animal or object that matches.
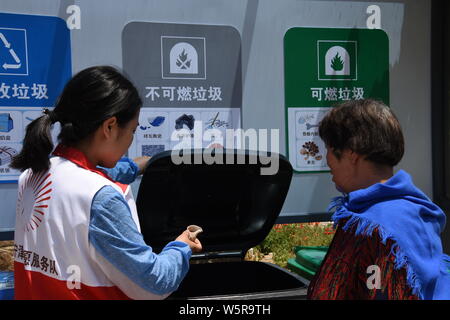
(13, 54)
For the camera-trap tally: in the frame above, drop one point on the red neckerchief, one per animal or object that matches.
(79, 158)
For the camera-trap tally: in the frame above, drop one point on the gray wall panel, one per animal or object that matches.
(262, 25)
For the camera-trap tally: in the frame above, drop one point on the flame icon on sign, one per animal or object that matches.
(182, 61)
(337, 63)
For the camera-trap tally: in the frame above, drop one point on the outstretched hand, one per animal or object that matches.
(141, 163)
(195, 245)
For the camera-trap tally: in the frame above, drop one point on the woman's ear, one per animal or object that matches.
(354, 157)
(108, 126)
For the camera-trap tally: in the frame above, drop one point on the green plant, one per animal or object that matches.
(284, 237)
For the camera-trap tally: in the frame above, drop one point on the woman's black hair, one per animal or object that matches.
(88, 99)
(367, 127)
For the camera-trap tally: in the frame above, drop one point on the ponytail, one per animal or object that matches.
(88, 99)
(37, 145)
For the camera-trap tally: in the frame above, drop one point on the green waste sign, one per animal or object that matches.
(324, 67)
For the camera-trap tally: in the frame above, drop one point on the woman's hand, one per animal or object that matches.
(141, 163)
(195, 245)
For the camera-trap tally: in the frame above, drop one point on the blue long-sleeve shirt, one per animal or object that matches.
(114, 234)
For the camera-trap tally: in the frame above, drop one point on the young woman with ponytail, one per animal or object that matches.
(77, 233)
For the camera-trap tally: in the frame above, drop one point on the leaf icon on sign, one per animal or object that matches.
(182, 60)
(336, 63)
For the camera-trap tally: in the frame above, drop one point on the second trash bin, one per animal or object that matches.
(307, 260)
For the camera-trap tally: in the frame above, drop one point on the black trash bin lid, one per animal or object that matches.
(235, 204)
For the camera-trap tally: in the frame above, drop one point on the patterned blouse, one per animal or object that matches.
(344, 273)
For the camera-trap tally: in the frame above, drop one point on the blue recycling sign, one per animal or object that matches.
(14, 58)
(35, 59)
(35, 65)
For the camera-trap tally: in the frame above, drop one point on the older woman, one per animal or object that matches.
(387, 243)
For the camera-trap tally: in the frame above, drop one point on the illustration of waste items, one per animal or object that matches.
(6, 122)
(154, 122)
(185, 119)
(6, 154)
(309, 126)
(310, 149)
(216, 123)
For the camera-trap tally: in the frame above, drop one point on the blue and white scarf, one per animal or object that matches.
(404, 214)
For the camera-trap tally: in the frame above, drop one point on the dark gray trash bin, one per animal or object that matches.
(235, 205)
